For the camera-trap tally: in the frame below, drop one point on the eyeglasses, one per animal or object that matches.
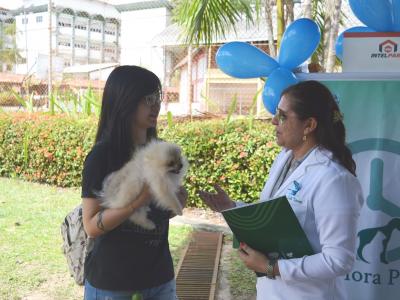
(280, 116)
(153, 99)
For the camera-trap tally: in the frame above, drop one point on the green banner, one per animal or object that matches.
(372, 117)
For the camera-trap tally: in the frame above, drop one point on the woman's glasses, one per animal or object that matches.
(280, 116)
(153, 99)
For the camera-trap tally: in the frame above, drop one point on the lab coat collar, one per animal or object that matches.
(318, 156)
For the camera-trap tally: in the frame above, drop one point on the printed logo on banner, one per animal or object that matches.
(376, 201)
(388, 46)
(387, 49)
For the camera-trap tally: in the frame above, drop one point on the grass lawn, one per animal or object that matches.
(31, 261)
(242, 281)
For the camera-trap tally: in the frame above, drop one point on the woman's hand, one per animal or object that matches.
(98, 220)
(142, 199)
(182, 196)
(219, 201)
(253, 259)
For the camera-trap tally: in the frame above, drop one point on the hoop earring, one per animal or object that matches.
(304, 138)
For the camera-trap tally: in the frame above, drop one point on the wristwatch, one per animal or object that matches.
(270, 268)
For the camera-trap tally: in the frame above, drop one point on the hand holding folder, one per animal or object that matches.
(270, 227)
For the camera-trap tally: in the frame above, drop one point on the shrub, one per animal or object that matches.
(51, 149)
(228, 154)
(43, 148)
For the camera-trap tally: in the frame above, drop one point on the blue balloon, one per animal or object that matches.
(339, 40)
(376, 14)
(242, 60)
(299, 41)
(279, 80)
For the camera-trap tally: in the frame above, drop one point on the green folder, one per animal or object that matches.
(270, 227)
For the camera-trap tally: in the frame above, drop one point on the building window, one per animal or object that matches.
(95, 47)
(79, 26)
(64, 43)
(110, 32)
(24, 20)
(95, 29)
(80, 45)
(39, 19)
(109, 50)
(64, 23)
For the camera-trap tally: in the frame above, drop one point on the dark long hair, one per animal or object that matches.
(124, 89)
(313, 99)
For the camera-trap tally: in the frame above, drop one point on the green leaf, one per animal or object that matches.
(204, 21)
(253, 108)
(20, 99)
(137, 296)
(169, 119)
(232, 108)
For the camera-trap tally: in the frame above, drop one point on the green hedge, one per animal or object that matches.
(51, 149)
(42, 148)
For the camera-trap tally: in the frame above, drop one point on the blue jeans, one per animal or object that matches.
(166, 291)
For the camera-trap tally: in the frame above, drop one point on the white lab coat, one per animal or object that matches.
(327, 206)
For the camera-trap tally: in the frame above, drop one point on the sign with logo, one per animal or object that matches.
(371, 114)
(371, 52)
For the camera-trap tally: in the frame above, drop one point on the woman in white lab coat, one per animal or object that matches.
(316, 172)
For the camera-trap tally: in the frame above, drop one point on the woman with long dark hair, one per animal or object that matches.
(126, 258)
(316, 171)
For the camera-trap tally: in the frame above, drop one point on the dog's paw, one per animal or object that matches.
(140, 218)
(149, 225)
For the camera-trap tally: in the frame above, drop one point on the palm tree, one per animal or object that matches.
(203, 21)
(270, 28)
(280, 20)
(328, 15)
(335, 20)
(306, 8)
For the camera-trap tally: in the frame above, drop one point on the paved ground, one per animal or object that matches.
(200, 223)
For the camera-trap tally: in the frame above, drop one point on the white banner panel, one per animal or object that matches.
(371, 52)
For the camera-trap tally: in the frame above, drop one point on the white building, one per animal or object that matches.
(83, 32)
(140, 22)
(86, 32)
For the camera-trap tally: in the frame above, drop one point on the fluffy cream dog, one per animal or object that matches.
(161, 166)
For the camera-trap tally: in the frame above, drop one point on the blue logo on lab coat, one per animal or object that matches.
(293, 190)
